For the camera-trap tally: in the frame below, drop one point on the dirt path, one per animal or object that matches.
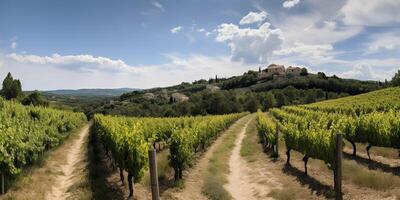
(194, 178)
(245, 182)
(68, 174)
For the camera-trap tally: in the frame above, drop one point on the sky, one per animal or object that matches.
(71, 44)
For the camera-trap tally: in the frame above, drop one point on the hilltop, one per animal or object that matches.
(273, 86)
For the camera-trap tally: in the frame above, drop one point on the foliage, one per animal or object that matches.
(396, 79)
(11, 87)
(128, 139)
(247, 92)
(35, 99)
(27, 131)
(266, 129)
(371, 118)
(304, 71)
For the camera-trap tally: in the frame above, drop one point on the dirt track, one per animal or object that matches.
(246, 182)
(69, 171)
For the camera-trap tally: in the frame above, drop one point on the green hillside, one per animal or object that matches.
(247, 92)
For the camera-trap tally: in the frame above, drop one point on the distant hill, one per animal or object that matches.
(92, 92)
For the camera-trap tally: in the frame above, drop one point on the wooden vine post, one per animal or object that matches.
(277, 141)
(338, 167)
(153, 175)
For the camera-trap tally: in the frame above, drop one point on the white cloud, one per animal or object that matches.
(290, 3)
(383, 41)
(158, 5)
(316, 53)
(366, 71)
(176, 29)
(13, 45)
(88, 71)
(371, 12)
(253, 17)
(76, 62)
(309, 29)
(250, 45)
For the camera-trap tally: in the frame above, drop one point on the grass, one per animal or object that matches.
(164, 171)
(218, 168)
(373, 179)
(250, 145)
(380, 151)
(288, 193)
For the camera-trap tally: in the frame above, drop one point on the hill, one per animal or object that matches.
(92, 92)
(82, 100)
(247, 92)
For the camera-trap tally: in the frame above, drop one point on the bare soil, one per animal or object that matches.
(69, 171)
(244, 181)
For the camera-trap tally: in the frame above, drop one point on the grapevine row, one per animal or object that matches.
(129, 139)
(27, 131)
(266, 130)
(380, 100)
(375, 128)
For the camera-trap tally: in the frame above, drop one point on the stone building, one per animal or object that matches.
(179, 97)
(275, 69)
(293, 70)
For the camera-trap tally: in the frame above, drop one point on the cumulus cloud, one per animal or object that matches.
(88, 71)
(311, 52)
(290, 3)
(371, 12)
(253, 17)
(361, 71)
(365, 70)
(176, 29)
(383, 41)
(309, 29)
(76, 62)
(248, 44)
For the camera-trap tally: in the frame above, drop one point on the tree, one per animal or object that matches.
(11, 88)
(281, 99)
(304, 72)
(269, 101)
(252, 104)
(322, 75)
(396, 79)
(35, 98)
(310, 97)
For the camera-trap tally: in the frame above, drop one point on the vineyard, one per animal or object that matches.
(26, 132)
(129, 139)
(371, 118)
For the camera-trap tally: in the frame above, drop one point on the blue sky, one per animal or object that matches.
(142, 44)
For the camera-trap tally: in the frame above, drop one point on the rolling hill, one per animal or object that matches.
(246, 92)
